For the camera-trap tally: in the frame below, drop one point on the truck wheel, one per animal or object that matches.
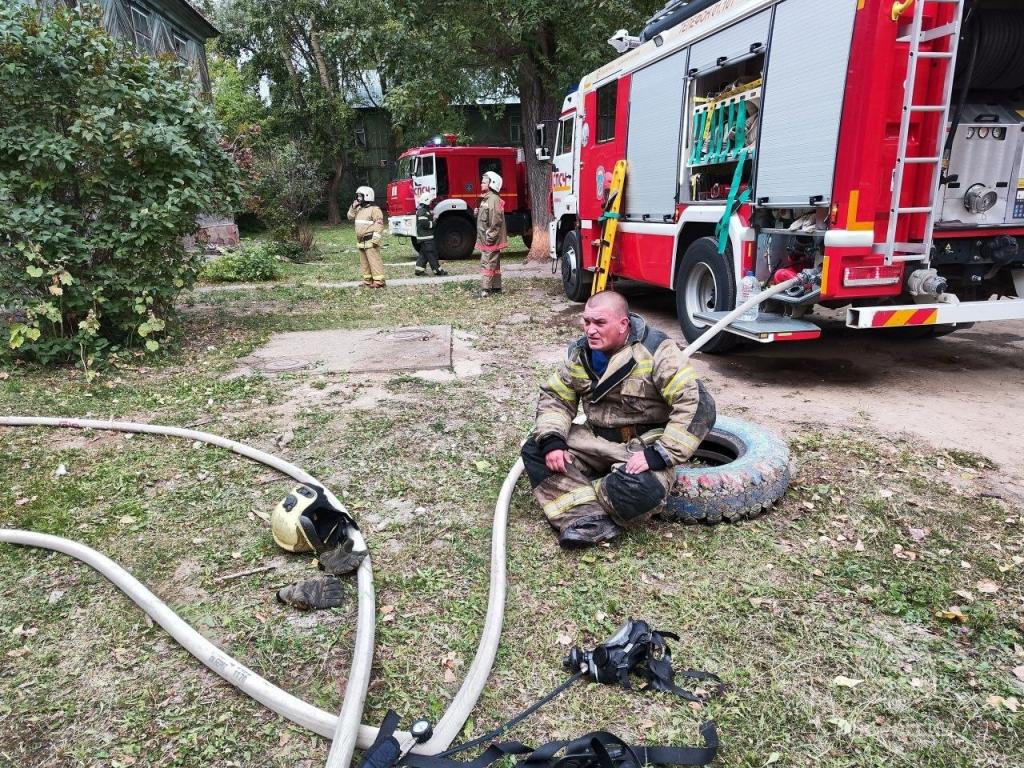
(455, 238)
(527, 237)
(576, 281)
(705, 283)
(745, 471)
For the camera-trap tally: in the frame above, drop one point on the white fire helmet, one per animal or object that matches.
(426, 197)
(493, 181)
(366, 192)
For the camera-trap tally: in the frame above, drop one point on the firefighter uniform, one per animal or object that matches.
(369, 225)
(491, 239)
(425, 240)
(648, 399)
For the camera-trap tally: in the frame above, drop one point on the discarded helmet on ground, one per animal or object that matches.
(305, 521)
(494, 181)
(366, 192)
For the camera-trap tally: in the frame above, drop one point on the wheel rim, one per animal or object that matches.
(569, 270)
(701, 293)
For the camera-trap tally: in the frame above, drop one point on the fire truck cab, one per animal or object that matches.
(874, 148)
(452, 174)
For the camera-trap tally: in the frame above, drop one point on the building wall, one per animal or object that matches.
(161, 27)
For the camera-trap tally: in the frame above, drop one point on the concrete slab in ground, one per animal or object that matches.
(426, 347)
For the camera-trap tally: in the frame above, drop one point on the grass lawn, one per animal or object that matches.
(339, 260)
(874, 618)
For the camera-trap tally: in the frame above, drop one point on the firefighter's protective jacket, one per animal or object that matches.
(647, 384)
(369, 220)
(491, 234)
(424, 223)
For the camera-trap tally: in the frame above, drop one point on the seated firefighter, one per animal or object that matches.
(646, 413)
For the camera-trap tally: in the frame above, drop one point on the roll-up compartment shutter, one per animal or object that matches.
(802, 101)
(731, 43)
(652, 149)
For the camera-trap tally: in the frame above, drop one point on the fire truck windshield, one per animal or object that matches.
(403, 169)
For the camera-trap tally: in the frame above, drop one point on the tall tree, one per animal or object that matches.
(534, 48)
(302, 51)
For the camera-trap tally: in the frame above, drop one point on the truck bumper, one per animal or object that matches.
(403, 226)
(935, 314)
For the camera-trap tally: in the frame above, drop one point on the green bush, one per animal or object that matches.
(106, 159)
(251, 264)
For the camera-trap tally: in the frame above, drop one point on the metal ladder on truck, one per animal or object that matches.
(894, 251)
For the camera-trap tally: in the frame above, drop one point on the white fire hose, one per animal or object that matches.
(344, 729)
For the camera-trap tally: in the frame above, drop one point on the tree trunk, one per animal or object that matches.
(293, 75)
(321, 62)
(333, 209)
(537, 105)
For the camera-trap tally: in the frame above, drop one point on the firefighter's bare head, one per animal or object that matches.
(606, 321)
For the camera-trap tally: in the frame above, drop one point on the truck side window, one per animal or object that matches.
(442, 177)
(564, 144)
(606, 98)
(490, 164)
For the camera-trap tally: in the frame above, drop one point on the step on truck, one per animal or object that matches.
(874, 147)
(452, 174)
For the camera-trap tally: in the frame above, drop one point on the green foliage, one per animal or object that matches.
(287, 187)
(236, 103)
(253, 263)
(106, 159)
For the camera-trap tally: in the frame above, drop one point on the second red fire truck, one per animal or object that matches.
(452, 174)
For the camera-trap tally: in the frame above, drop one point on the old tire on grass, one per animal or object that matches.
(746, 471)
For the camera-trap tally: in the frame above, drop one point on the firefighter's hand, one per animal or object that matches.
(556, 460)
(637, 463)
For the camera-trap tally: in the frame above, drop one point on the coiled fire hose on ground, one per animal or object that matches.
(344, 729)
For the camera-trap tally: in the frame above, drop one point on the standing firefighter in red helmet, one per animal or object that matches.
(369, 223)
(491, 236)
(646, 414)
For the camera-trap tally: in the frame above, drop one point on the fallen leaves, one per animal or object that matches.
(952, 614)
(1018, 672)
(987, 587)
(842, 681)
(1011, 703)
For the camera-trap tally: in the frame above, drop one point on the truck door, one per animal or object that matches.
(563, 187)
(424, 175)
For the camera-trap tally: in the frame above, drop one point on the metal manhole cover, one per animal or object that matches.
(284, 364)
(408, 334)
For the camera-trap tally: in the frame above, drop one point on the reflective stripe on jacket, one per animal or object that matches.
(647, 382)
(369, 221)
(490, 223)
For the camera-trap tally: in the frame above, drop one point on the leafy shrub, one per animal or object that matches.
(253, 263)
(106, 159)
(287, 188)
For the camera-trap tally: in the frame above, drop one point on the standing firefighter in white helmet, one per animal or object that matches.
(369, 221)
(491, 236)
(425, 236)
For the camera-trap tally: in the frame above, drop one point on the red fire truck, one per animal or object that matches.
(875, 146)
(452, 173)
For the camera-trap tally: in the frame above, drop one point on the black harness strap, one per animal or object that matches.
(598, 749)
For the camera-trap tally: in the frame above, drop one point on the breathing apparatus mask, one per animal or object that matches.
(636, 649)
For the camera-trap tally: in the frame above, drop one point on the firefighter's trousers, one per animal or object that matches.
(372, 265)
(490, 270)
(428, 255)
(596, 483)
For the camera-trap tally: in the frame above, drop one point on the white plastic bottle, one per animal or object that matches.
(749, 287)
